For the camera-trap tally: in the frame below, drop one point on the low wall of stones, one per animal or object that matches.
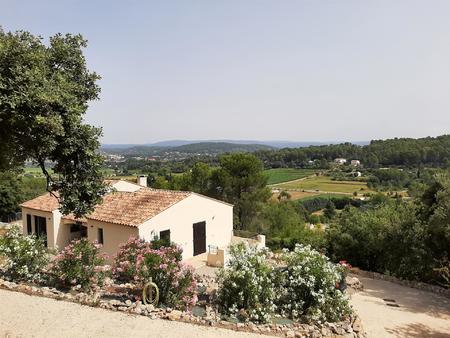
(412, 284)
(352, 328)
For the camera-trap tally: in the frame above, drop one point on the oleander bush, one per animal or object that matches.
(80, 263)
(300, 284)
(306, 286)
(137, 261)
(24, 257)
(245, 285)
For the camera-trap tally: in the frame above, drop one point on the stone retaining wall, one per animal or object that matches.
(352, 328)
(412, 284)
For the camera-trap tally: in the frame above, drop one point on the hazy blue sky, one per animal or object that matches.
(298, 70)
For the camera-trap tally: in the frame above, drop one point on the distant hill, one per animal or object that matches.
(270, 143)
(211, 148)
(219, 147)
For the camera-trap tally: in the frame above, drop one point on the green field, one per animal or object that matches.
(325, 184)
(281, 175)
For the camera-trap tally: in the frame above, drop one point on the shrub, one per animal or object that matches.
(26, 256)
(245, 285)
(138, 261)
(306, 287)
(80, 263)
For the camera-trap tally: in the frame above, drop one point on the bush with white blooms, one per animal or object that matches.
(301, 285)
(306, 286)
(245, 285)
(25, 257)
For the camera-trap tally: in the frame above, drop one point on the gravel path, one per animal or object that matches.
(419, 313)
(30, 316)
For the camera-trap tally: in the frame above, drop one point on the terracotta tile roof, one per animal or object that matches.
(119, 207)
(46, 202)
(134, 208)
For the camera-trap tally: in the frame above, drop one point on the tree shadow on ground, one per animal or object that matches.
(416, 330)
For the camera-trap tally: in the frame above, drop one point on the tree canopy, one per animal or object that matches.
(44, 94)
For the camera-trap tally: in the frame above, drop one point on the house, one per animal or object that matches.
(355, 163)
(190, 220)
(340, 160)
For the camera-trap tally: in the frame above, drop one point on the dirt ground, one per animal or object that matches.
(392, 310)
(30, 316)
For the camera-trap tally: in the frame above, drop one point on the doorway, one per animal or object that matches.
(199, 238)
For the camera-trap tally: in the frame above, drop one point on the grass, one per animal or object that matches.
(325, 184)
(281, 175)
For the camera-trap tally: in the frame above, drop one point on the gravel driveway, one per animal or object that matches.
(392, 310)
(30, 316)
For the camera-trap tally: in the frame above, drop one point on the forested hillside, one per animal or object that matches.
(430, 151)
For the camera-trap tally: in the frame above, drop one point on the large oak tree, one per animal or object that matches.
(44, 95)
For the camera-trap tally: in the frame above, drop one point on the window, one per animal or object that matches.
(29, 227)
(100, 236)
(164, 236)
(79, 230)
(40, 227)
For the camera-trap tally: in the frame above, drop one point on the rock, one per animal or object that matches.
(174, 315)
(240, 325)
(338, 330)
(128, 302)
(325, 332)
(115, 302)
(357, 325)
(149, 308)
(290, 334)
(354, 283)
(315, 334)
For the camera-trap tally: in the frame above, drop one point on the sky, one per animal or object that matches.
(257, 70)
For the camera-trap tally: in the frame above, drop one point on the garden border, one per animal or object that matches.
(351, 329)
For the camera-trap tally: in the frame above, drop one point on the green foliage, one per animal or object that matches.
(15, 189)
(240, 181)
(10, 196)
(435, 213)
(245, 285)
(360, 235)
(26, 256)
(330, 210)
(433, 151)
(317, 203)
(80, 263)
(307, 287)
(44, 94)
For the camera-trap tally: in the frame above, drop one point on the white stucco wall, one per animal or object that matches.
(52, 225)
(180, 218)
(113, 235)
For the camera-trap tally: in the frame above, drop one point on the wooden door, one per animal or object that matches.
(199, 238)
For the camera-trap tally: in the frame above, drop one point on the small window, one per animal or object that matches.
(164, 236)
(29, 228)
(100, 236)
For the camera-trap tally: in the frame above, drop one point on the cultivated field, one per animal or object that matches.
(281, 175)
(324, 184)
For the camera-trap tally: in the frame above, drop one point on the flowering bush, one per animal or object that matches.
(138, 261)
(307, 286)
(80, 263)
(245, 285)
(25, 256)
